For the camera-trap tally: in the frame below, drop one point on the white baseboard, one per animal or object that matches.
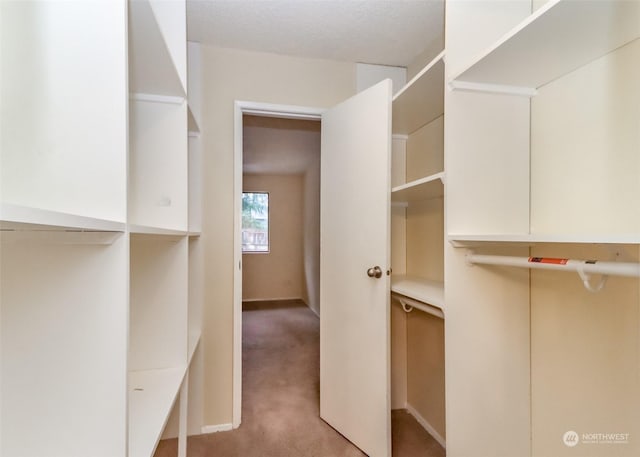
(216, 428)
(426, 425)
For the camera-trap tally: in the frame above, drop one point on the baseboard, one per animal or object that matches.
(249, 300)
(313, 311)
(426, 425)
(216, 428)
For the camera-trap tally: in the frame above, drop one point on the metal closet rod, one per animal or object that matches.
(584, 268)
(409, 303)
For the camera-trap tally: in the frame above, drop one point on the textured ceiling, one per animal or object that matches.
(387, 32)
(279, 146)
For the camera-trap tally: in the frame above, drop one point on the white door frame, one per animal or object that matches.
(266, 110)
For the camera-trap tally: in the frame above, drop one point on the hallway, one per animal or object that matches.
(280, 416)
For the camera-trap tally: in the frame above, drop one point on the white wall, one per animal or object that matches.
(230, 75)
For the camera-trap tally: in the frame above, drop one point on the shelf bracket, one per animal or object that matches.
(586, 281)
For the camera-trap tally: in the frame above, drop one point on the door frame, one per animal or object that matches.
(265, 110)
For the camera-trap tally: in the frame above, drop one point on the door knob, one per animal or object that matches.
(374, 272)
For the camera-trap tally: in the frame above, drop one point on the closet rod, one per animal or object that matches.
(584, 268)
(409, 303)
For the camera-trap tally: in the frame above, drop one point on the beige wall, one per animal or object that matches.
(230, 75)
(425, 368)
(585, 356)
(311, 236)
(277, 274)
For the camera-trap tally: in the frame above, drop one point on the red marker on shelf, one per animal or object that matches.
(551, 260)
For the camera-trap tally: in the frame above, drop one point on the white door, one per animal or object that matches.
(354, 237)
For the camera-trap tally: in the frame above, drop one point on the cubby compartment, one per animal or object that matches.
(63, 329)
(64, 136)
(157, 47)
(159, 169)
(158, 348)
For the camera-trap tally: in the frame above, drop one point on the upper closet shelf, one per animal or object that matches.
(420, 189)
(152, 68)
(421, 100)
(420, 289)
(150, 230)
(560, 37)
(16, 217)
(465, 240)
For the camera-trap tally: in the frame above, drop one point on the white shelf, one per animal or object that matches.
(420, 189)
(151, 66)
(560, 37)
(16, 217)
(149, 408)
(420, 289)
(421, 100)
(462, 240)
(148, 230)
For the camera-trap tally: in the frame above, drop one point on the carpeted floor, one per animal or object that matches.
(280, 408)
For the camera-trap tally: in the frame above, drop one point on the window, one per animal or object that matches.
(255, 222)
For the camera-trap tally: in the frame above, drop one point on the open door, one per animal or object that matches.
(354, 294)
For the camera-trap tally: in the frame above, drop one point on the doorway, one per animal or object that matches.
(266, 121)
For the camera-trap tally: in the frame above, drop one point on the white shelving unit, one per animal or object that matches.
(561, 36)
(101, 266)
(541, 153)
(418, 108)
(417, 243)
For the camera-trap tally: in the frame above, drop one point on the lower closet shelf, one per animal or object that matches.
(420, 289)
(151, 397)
